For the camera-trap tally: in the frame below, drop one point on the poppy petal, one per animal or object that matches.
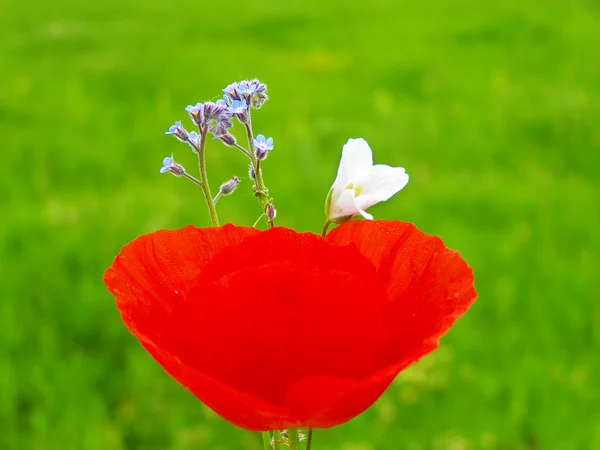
(150, 275)
(340, 400)
(244, 410)
(429, 285)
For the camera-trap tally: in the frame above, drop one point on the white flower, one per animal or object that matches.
(360, 184)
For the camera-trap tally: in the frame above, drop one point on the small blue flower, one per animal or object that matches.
(178, 131)
(196, 112)
(169, 165)
(237, 107)
(262, 146)
(262, 143)
(173, 128)
(232, 91)
(246, 88)
(194, 140)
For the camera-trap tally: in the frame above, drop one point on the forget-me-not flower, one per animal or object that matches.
(262, 146)
(169, 165)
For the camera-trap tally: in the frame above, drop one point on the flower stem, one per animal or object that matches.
(325, 228)
(242, 149)
(192, 179)
(293, 438)
(217, 197)
(309, 438)
(260, 190)
(258, 220)
(212, 211)
(268, 444)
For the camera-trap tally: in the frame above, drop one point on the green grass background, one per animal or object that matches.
(492, 107)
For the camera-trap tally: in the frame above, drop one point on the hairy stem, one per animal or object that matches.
(242, 149)
(260, 190)
(212, 211)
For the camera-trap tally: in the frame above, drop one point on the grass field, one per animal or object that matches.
(493, 107)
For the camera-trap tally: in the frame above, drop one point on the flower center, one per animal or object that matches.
(357, 189)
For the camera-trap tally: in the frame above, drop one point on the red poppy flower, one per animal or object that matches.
(278, 329)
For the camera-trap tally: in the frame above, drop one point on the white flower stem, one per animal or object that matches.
(325, 228)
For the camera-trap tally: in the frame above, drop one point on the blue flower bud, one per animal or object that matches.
(271, 212)
(228, 187)
(227, 139)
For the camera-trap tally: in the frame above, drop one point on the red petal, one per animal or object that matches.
(340, 400)
(430, 285)
(151, 273)
(277, 309)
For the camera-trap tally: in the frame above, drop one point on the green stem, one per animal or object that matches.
(309, 438)
(325, 228)
(212, 211)
(293, 438)
(217, 197)
(260, 190)
(193, 179)
(266, 435)
(258, 220)
(242, 149)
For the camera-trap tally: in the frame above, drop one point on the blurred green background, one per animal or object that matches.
(492, 107)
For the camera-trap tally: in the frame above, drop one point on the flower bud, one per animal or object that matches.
(271, 212)
(227, 139)
(228, 187)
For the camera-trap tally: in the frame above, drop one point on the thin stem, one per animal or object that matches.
(212, 211)
(193, 179)
(293, 438)
(267, 442)
(217, 197)
(242, 149)
(325, 228)
(258, 220)
(260, 190)
(309, 438)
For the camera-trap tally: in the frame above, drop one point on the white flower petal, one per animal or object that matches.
(356, 163)
(361, 211)
(342, 205)
(383, 182)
